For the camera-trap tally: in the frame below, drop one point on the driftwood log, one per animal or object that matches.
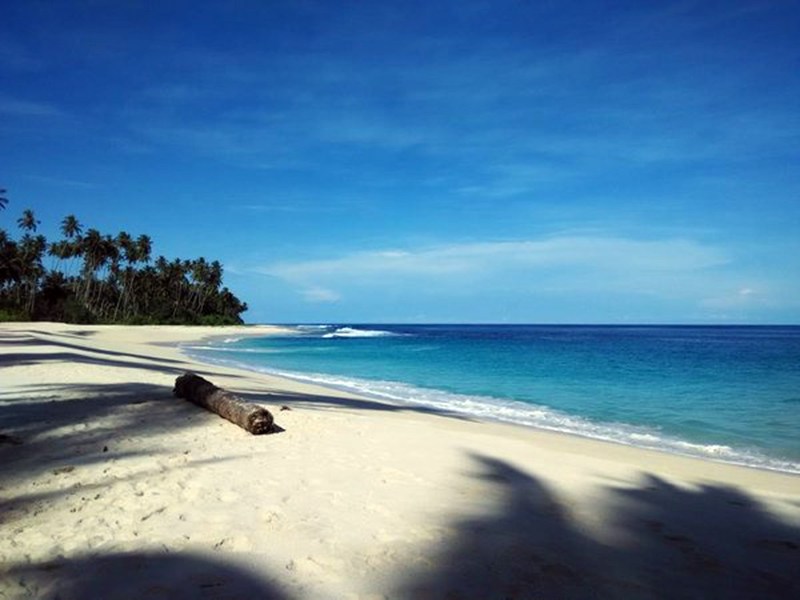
(253, 418)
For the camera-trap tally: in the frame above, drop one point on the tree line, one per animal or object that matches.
(101, 278)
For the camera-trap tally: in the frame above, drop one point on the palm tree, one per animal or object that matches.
(144, 246)
(213, 279)
(199, 277)
(91, 248)
(111, 284)
(10, 261)
(107, 265)
(110, 252)
(60, 250)
(72, 230)
(125, 244)
(127, 250)
(32, 270)
(28, 222)
(70, 227)
(176, 277)
(32, 249)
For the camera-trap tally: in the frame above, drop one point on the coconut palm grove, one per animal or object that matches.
(92, 277)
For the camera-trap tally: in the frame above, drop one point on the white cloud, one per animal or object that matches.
(605, 255)
(742, 298)
(569, 268)
(319, 294)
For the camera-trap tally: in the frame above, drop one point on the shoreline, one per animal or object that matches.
(664, 444)
(355, 498)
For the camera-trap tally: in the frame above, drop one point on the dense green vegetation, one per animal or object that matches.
(99, 278)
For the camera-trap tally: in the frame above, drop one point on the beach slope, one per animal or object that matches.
(111, 487)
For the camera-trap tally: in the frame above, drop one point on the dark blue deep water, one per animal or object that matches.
(723, 393)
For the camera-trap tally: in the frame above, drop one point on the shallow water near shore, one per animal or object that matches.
(722, 393)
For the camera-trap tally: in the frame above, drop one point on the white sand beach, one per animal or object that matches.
(110, 487)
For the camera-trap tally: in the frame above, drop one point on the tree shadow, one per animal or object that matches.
(93, 355)
(92, 424)
(140, 575)
(713, 542)
(79, 333)
(154, 364)
(36, 358)
(35, 341)
(708, 541)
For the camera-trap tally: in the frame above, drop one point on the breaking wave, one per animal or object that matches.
(351, 332)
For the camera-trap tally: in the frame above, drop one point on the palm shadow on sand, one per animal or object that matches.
(670, 542)
(138, 575)
(46, 436)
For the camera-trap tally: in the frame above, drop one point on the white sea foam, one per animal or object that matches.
(522, 413)
(351, 332)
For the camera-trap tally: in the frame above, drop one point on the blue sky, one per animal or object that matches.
(616, 162)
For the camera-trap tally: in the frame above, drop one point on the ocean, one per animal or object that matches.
(722, 393)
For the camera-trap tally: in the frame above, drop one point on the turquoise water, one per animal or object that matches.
(723, 393)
